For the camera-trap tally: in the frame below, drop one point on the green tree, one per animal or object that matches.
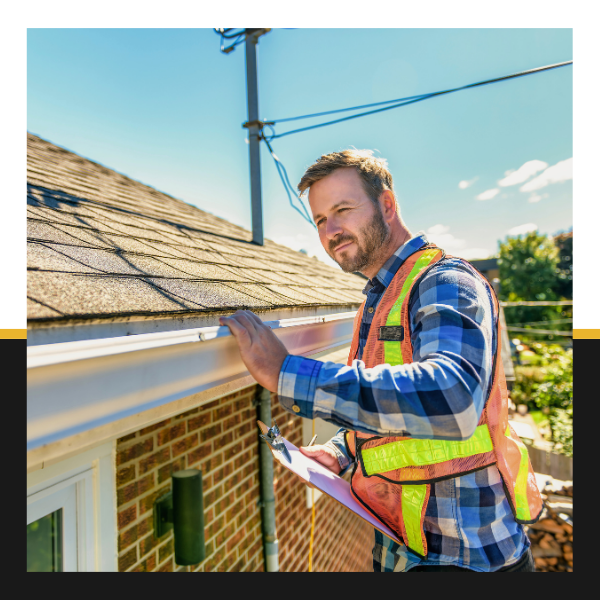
(564, 243)
(528, 266)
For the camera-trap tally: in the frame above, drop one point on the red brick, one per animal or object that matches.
(154, 427)
(128, 559)
(147, 502)
(234, 420)
(167, 567)
(210, 432)
(149, 543)
(147, 565)
(126, 438)
(135, 451)
(127, 516)
(232, 451)
(166, 435)
(222, 412)
(128, 537)
(199, 453)
(150, 462)
(187, 413)
(164, 473)
(203, 419)
(135, 489)
(125, 475)
(181, 446)
(165, 550)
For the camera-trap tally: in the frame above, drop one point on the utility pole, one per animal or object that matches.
(254, 126)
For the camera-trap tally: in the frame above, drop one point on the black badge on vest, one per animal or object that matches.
(391, 334)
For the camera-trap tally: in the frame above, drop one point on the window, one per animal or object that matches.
(56, 529)
(71, 524)
(44, 544)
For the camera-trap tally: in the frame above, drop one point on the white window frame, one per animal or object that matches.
(84, 487)
(72, 496)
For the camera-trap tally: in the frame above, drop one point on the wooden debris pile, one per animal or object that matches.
(552, 536)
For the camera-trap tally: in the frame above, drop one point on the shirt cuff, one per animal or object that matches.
(338, 445)
(297, 384)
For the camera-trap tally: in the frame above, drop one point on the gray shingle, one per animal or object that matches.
(104, 244)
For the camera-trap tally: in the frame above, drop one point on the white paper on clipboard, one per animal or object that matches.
(327, 482)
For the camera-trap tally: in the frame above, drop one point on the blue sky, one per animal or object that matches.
(165, 107)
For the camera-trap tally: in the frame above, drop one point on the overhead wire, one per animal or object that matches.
(288, 186)
(402, 101)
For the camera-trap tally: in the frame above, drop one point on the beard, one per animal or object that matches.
(369, 243)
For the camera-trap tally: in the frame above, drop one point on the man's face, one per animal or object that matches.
(351, 226)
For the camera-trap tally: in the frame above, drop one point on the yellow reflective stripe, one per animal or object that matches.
(413, 498)
(417, 453)
(521, 501)
(393, 350)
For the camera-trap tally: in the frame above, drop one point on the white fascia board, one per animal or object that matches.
(75, 387)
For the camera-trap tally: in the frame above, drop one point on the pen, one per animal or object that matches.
(312, 441)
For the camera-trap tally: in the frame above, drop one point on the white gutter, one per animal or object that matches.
(76, 387)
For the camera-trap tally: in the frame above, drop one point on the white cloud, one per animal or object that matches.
(523, 173)
(438, 234)
(561, 171)
(437, 229)
(537, 197)
(464, 184)
(521, 229)
(488, 194)
(471, 253)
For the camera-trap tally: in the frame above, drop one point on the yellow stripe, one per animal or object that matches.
(522, 504)
(413, 498)
(13, 334)
(417, 453)
(393, 350)
(586, 334)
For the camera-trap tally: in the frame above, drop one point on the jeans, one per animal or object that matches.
(525, 563)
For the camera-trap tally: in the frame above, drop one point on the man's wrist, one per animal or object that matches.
(297, 384)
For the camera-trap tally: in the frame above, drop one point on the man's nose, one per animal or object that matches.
(332, 228)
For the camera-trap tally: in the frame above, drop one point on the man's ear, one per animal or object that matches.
(387, 201)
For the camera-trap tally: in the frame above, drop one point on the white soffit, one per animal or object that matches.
(74, 387)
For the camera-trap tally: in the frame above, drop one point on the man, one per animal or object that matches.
(422, 366)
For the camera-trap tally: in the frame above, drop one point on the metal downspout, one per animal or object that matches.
(267, 492)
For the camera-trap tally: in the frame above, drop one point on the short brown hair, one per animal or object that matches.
(373, 171)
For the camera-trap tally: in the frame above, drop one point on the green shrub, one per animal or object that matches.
(548, 387)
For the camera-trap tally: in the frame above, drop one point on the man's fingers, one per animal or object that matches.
(254, 318)
(238, 329)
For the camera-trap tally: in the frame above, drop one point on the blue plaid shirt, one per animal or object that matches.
(440, 395)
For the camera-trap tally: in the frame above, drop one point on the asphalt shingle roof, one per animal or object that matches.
(101, 244)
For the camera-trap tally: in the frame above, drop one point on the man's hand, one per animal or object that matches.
(324, 455)
(262, 352)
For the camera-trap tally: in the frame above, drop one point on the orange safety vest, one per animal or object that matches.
(392, 476)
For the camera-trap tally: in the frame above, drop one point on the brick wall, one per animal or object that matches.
(221, 440)
(342, 541)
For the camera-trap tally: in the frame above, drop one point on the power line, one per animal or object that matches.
(538, 303)
(542, 322)
(289, 189)
(402, 101)
(539, 331)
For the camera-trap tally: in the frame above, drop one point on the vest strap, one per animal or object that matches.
(417, 453)
(392, 350)
(521, 501)
(413, 502)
